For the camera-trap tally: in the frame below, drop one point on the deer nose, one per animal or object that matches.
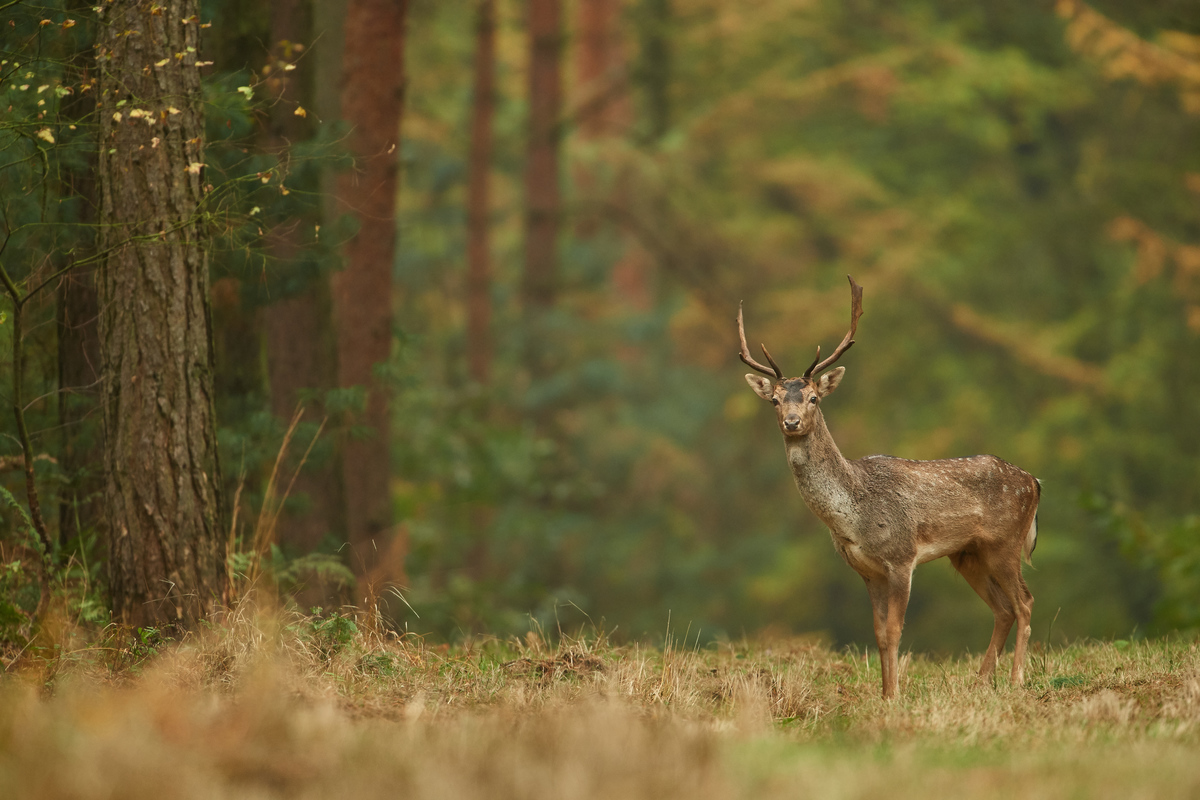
(792, 422)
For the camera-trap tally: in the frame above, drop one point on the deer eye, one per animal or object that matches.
(775, 401)
(812, 399)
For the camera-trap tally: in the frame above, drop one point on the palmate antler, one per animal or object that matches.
(848, 341)
(856, 293)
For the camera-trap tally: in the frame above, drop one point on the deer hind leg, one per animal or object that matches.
(1006, 576)
(1023, 599)
(985, 585)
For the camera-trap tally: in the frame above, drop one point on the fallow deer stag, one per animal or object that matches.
(887, 515)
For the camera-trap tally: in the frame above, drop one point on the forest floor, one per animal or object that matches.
(279, 705)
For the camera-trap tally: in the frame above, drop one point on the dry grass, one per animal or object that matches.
(273, 705)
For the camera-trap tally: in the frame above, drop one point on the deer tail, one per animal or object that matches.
(1031, 534)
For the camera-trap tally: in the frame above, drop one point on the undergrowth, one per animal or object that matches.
(269, 703)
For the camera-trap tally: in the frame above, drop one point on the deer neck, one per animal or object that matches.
(823, 475)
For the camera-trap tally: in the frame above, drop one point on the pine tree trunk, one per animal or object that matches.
(655, 67)
(479, 301)
(298, 327)
(78, 379)
(166, 551)
(601, 98)
(539, 283)
(372, 94)
(602, 73)
(599, 70)
(542, 198)
(80, 506)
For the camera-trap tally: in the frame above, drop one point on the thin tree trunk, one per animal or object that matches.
(603, 77)
(655, 67)
(237, 348)
(372, 92)
(237, 321)
(80, 503)
(78, 384)
(599, 70)
(479, 301)
(601, 96)
(298, 330)
(299, 358)
(166, 552)
(542, 197)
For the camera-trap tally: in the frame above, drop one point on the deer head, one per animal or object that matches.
(797, 400)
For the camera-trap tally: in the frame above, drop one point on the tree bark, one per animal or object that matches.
(372, 94)
(542, 197)
(166, 552)
(479, 300)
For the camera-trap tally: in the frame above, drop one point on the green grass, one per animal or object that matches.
(275, 705)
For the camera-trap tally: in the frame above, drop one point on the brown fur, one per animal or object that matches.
(886, 515)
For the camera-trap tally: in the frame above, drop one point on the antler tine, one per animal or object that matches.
(771, 361)
(747, 359)
(808, 371)
(848, 341)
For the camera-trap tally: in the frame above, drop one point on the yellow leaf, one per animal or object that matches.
(300, 112)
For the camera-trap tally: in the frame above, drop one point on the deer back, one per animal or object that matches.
(922, 510)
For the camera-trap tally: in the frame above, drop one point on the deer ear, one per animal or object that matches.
(829, 381)
(762, 387)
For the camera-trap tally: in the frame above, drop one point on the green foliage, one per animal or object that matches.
(290, 573)
(332, 632)
(14, 614)
(965, 165)
(146, 642)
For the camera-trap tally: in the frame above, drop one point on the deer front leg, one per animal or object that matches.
(899, 587)
(878, 591)
(889, 601)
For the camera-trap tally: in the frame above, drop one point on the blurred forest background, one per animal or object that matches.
(534, 408)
